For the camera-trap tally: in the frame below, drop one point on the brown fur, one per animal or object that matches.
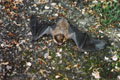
(61, 28)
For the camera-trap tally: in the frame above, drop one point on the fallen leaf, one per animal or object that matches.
(14, 42)
(10, 34)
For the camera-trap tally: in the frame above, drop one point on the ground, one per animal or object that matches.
(23, 59)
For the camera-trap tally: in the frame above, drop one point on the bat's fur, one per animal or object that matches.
(61, 28)
(62, 31)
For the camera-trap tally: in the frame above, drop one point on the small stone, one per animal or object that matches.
(8, 67)
(83, 11)
(49, 57)
(31, 46)
(76, 65)
(46, 7)
(56, 14)
(57, 76)
(17, 45)
(37, 8)
(86, 52)
(60, 50)
(58, 54)
(106, 58)
(112, 43)
(117, 68)
(49, 44)
(19, 48)
(46, 55)
(34, 5)
(28, 64)
(22, 41)
(53, 68)
(2, 45)
(60, 62)
(118, 34)
(67, 68)
(59, 4)
(100, 31)
(115, 58)
(118, 77)
(102, 1)
(53, 4)
(29, 33)
(95, 2)
(96, 74)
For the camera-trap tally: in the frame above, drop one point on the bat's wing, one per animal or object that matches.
(78, 37)
(93, 44)
(83, 41)
(39, 29)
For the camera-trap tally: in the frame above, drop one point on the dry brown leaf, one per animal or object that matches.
(10, 34)
(14, 42)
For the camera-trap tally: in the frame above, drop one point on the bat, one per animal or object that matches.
(63, 30)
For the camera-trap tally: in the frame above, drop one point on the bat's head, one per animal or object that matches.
(59, 39)
(60, 33)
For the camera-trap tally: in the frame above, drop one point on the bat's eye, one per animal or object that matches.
(59, 38)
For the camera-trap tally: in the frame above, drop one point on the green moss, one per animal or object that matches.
(108, 12)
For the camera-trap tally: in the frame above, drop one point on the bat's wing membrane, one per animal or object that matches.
(78, 37)
(93, 44)
(84, 42)
(39, 29)
(34, 25)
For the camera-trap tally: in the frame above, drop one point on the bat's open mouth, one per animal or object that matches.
(59, 38)
(60, 44)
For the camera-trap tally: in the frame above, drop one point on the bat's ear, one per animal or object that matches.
(92, 45)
